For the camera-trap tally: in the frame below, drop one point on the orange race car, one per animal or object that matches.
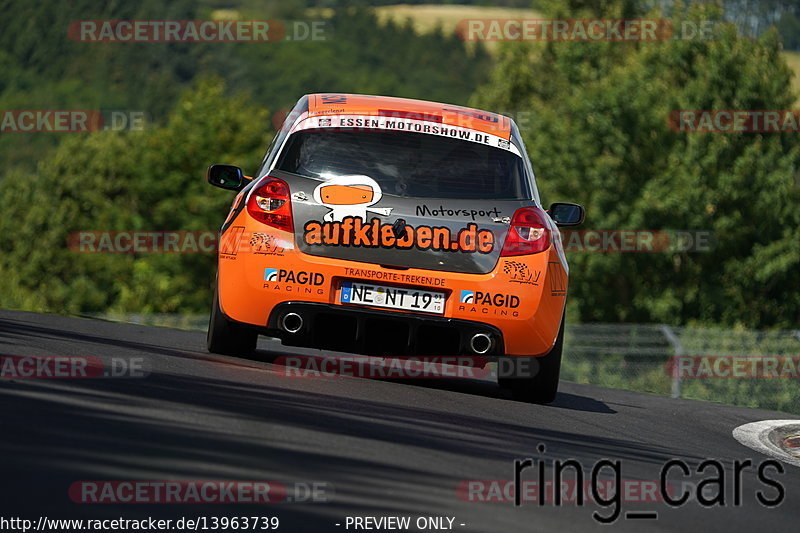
(395, 227)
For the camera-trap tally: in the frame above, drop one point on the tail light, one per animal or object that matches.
(269, 203)
(529, 233)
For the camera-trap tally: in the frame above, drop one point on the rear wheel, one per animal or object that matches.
(542, 387)
(226, 337)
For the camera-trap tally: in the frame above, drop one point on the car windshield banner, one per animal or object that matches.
(412, 125)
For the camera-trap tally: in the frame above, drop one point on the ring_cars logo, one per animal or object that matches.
(489, 303)
(280, 279)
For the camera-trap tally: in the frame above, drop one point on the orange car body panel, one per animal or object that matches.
(249, 248)
(245, 296)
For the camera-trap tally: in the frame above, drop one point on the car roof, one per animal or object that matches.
(452, 115)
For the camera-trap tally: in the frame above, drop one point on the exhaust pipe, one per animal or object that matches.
(481, 343)
(291, 322)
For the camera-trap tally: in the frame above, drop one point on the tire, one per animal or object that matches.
(542, 387)
(226, 337)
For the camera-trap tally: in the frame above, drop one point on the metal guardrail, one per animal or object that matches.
(655, 357)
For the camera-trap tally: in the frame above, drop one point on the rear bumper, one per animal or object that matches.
(380, 333)
(520, 302)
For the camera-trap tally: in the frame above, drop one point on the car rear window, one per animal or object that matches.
(408, 164)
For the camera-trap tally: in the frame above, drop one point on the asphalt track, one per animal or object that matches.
(385, 447)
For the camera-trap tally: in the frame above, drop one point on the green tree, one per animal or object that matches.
(110, 181)
(44, 69)
(789, 28)
(597, 133)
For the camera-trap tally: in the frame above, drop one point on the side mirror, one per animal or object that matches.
(226, 177)
(566, 214)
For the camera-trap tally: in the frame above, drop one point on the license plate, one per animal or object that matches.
(392, 297)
